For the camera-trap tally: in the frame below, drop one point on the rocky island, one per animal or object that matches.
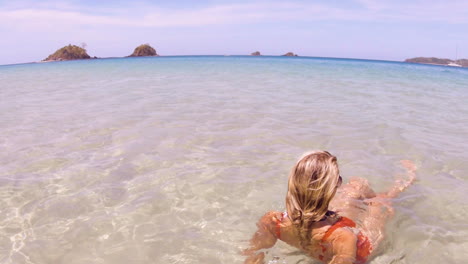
(290, 54)
(70, 52)
(256, 53)
(462, 62)
(438, 61)
(144, 50)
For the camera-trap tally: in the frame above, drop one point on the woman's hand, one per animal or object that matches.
(411, 169)
(409, 165)
(255, 258)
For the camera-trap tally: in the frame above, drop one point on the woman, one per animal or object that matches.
(350, 233)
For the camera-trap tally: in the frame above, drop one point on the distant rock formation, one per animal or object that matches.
(430, 60)
(437, 61)
(70, 52)
(462, 62)
(257, 53)
(290, 54)
(144, 50)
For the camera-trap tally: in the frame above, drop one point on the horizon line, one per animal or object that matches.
(227, 55)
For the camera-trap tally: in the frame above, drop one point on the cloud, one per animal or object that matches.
(154, 18)
(444, 11)
(374, 5)
(147, 15)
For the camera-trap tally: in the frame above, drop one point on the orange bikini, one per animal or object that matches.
(363, 245)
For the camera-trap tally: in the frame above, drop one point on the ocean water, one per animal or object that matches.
(174, 159)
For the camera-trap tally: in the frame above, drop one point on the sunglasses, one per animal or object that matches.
(340, 181)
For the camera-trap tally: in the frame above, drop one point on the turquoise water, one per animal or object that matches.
(173, 159)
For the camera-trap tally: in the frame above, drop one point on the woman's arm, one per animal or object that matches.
(265, 237)
(401, 184)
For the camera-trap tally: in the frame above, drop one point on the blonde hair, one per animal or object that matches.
(312, 185)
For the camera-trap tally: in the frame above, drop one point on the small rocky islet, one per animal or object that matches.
(70, 52)
(290, 54)
(144, 50)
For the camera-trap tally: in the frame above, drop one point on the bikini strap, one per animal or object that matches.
(278, 225)
(342, 222)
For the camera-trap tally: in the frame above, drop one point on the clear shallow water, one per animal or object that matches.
(173, 159)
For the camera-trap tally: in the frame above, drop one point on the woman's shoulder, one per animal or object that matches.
(272, 217)
(274, 221)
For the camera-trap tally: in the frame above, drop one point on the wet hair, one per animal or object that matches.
(312, 184)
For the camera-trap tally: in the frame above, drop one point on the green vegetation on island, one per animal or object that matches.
(70, 52)
(144, 50)
(438, 61)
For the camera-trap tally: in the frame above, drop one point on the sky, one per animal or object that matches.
(369, 29)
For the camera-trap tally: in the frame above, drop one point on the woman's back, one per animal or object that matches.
(334, 239)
